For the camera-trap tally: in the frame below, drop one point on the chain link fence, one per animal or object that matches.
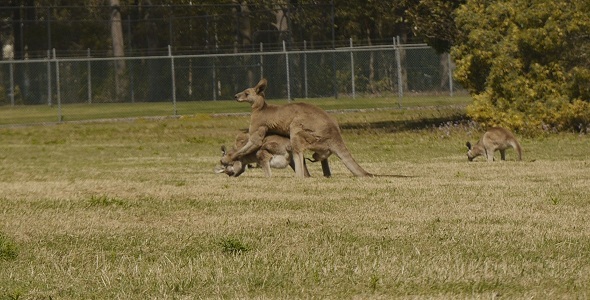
(394, 71)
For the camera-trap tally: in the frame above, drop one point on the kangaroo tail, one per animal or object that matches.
(518, 149)
(344, 154)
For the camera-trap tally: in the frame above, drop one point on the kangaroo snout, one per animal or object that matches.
(240, 97)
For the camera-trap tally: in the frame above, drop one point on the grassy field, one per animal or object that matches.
(132, 210)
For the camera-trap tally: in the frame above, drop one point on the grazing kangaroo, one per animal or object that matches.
(307, 126)
(275, 152)
(496, 138)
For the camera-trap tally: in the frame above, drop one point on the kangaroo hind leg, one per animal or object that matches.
(326, 168)
(490, 154)
(298, 144)
(322, 156)
(264, 158)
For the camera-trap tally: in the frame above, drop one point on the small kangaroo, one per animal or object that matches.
(496, 138)
(307, 126)
(275, 152)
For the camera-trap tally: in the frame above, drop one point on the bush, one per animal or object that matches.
(527, 66)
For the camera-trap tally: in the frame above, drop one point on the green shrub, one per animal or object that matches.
(527, 65)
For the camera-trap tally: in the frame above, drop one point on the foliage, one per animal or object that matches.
(526, 63)
(370, 20)
(434, 20)
(211, 25)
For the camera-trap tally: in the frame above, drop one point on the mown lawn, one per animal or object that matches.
(132, 209)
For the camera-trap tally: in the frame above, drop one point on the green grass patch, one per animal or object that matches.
(233, 246)
(8, 250)
(105, 201)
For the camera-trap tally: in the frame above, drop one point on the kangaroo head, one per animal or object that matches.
(474, 151)
(253, 95)
(232, 168)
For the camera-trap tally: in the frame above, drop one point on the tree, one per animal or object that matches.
(118, 49)
(525, 62)
(373, 22)
(244, 33)
(433, 20)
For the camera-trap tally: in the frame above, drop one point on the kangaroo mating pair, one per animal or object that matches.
(496, 138)
(308, 127)
(275, 152)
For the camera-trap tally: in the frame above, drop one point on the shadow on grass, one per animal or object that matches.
(394, 176)
(408, 125)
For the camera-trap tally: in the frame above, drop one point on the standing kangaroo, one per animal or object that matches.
(496, 138)
(307, 126)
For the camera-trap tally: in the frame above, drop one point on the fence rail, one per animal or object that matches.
(393, 70)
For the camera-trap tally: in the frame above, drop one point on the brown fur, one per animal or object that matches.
(308, 127)
(496, 138)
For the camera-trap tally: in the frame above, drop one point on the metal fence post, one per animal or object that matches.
(400, 87)
(214, 78)
(261, 62)
(305, 67)
(334, 73)
(173, 78)
(11, 70)
(49, 92)
(131, 78)
(352, 70)
(58, 93)
(89, 77)
(287, 70)
(450, 74)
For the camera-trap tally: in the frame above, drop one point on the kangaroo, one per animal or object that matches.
(307, 126)
(275, 152)
(496, 138)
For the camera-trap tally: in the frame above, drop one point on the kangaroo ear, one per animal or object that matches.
(223, 152)
(468, 144)
(261, 86)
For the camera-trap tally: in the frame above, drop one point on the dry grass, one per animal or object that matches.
(134, 211)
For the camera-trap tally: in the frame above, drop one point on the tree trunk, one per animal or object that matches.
(281, 24)
(155, 67)
(23, 14)
(118, 50)
(371, 64)
(402, 55)
(444, 64)
(244, 38)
